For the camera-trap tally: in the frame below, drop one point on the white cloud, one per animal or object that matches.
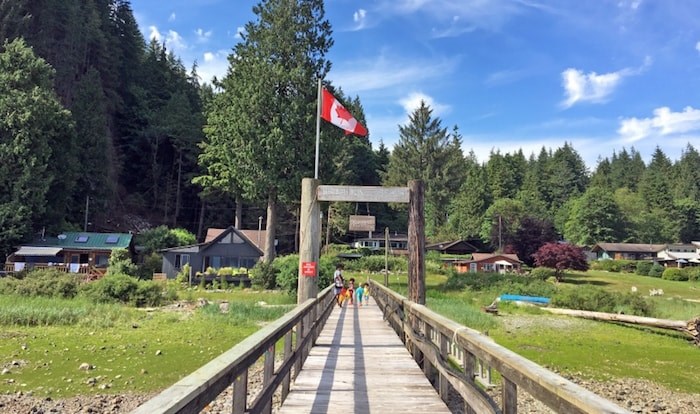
(664, 123)
(592, 87)
(202, 36)
(240, 31)
(215, 65)
(580, 87)
(174, 41)
(504, 77)
(154, 33)
(697, 47)
(384, 72)
(453, 17)
(360, 19)
(172, 17)
(412, 102)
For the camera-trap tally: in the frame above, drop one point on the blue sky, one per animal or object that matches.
(511, 74)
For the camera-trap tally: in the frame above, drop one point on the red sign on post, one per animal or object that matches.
(308, 269)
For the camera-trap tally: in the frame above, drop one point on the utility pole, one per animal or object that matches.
(386, 256)
(328, 227)
(500, 243)
(87, 207)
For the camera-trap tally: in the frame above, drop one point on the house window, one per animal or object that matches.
(472, 267)
(181, 260)
(488, 267)
(101, 260)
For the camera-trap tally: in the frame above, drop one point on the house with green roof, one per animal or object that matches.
(76, 252)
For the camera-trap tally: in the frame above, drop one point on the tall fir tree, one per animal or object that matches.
(261, 124)
(426, 151)
(34, 127)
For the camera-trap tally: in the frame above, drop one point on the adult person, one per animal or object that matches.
(338, 284)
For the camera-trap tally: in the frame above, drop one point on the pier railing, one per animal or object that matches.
(441, 345)
(295, 333)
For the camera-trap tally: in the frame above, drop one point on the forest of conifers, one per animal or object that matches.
(96, 119)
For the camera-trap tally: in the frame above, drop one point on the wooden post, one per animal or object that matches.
(416, 242)
(286, 382)
(240, 391)
(309, 247)
(443, 383)
(469, 363)
(509, 397)
(268, 372)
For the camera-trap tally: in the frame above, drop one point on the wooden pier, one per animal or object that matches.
(359, 365)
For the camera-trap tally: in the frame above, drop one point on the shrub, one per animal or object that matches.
(376, 263)
(542, 273)
(152, 263)
(124, 289)
(592, 298)
(264, 275)
(610, 265)
(111, 289)
(643, 268)
(183, 276)
(120, 263)
(674, 273)
(45, 282)
(148, 293)
(326, 268)
(656, 270)
(525, 286)
(692, 272)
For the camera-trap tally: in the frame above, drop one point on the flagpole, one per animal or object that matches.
(318, 127)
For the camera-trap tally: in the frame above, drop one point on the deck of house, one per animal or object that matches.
(359, 365)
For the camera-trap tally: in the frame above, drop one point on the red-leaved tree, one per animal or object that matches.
(560, 257)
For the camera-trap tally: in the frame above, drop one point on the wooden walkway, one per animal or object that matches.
(359, 365)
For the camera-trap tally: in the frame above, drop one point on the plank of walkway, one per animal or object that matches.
(359, 365)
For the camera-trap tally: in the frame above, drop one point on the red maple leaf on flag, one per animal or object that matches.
(343, 113)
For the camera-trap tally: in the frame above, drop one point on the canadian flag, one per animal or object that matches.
(335, 113)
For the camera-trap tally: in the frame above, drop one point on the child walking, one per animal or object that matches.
(351, 290)
(360, 291)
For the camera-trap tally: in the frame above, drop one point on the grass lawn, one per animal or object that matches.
(131, 350)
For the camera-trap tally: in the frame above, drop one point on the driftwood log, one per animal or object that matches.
(691, 327)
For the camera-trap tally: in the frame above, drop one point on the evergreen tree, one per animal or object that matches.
(594, 218)
(33, 122)
(427, 152)
(626, 169)
(469, 205)
(687, 175)
(260, 127)
(654, 186)
(567, 177)
(96, 176)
